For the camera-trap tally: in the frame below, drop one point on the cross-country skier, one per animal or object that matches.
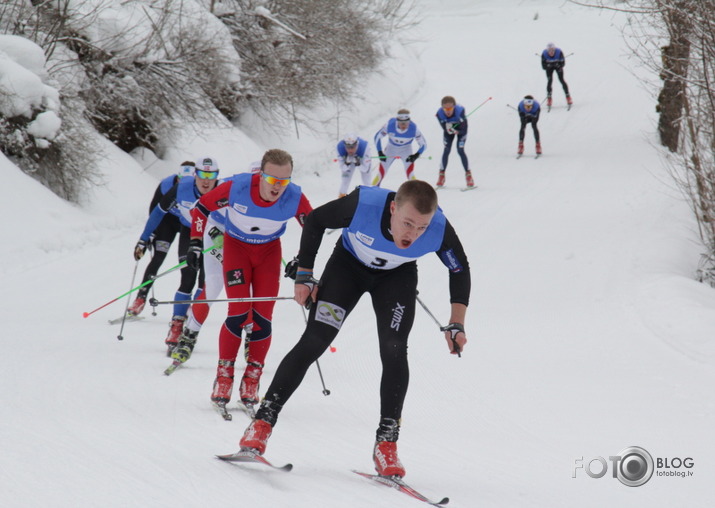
(453, 120)
(385, 233)
(212, 262)
(553, 59)
(181, 198)
(258, 208)
(163, 236)
(401, 132)
(529, 110)
(353, 153)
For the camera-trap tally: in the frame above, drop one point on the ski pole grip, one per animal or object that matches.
(454, 329)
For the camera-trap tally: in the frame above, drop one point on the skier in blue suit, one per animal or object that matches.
(529, 110)
(553, 59)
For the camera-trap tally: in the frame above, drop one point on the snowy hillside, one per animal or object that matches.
(587, 333)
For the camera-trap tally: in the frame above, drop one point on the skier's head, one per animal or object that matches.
(411, 212)
(186, 169)
(448, 103)
(206, 174)
(276, 171)
(528, 101)
(551, 48)
(351, 143)
(403, 119)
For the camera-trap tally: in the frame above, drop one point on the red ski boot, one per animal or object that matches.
(520, 149)
(538, 148)
(250, 382)
(175, 328)
(223, 384)
(137, 307)
(470, 180)
(387, 463)
(255, 438)
(440, 179)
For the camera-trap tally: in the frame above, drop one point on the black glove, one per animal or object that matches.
(381, 155)
(139, 249)
(193, 255)
(308, 280)
(291, 268)
(358, 160)
(413, 157)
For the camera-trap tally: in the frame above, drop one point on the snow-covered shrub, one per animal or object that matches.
(34, 132)
(297, 54)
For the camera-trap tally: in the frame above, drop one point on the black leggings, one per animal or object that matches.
(344, 281)
(522, 131)
(164, 236)
(447, 140)
(550, 80)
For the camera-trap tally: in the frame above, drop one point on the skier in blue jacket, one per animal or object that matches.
(453, 120)
(163, 236)
(529, 110)
(553, 59)
(180, 200)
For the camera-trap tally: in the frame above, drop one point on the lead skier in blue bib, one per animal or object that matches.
(384, 234)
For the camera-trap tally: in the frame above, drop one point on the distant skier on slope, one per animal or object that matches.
(453, 120)
(553, 59)
(529, 110)
(353, 153)
(400, 132)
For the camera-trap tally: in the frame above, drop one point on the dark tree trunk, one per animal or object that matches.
(675, 70)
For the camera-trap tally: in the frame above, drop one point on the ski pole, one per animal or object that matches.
(154, 302)
(326, 392)
(482, 104)
(428, 157)
(87, 314)
(472, 111)
(512, 107)
(153, 309)
(126, 309)
(457, 349)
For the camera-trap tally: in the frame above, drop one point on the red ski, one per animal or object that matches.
(396, 483)
(252, 457)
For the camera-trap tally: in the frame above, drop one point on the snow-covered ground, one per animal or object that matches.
(587, 333)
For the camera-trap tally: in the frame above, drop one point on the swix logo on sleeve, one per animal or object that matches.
(367, 240)
(222, 202)
(199, 225)
(397, 314)
(235, 277)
